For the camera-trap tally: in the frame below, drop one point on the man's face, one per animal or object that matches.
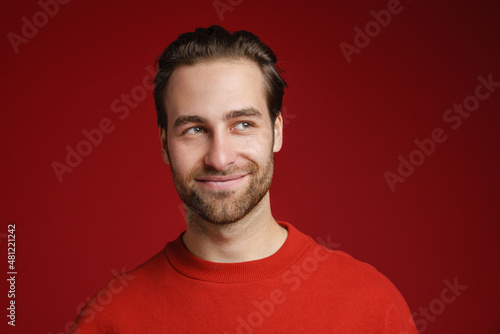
(220, 140)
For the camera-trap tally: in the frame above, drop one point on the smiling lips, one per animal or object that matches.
(223, 182)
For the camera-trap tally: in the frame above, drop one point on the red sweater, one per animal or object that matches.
(302, 288)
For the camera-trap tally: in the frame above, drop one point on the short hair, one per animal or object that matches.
(216, 43)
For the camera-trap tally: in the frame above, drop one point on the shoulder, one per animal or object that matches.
(357, 287)
(120, 296)
(342, 268)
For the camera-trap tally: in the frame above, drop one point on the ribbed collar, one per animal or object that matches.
(191, 266)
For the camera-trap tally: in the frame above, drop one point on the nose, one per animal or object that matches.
(221, 152)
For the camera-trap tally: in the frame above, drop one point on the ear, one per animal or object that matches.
(163, 141)
(278, 133)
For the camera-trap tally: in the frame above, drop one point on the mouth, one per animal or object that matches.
(222, 182)
(221, 178)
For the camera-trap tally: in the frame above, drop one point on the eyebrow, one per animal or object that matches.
(242, 112)
(186, 119)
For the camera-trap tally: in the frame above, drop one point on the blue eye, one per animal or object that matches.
(195, 130)
(243, 126)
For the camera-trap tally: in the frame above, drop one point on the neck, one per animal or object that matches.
(254, 237)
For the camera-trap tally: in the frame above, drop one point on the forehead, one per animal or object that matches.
(215, 87)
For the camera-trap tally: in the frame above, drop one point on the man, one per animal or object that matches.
(235, 269)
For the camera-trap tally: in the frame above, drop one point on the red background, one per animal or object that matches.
(346, 124)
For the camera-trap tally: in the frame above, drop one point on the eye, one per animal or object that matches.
(195, 130)
(243, 126)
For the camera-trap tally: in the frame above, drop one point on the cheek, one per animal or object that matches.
(257, 148)
(182, 159)
(182, 163)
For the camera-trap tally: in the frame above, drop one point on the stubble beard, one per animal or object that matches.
(225, 207)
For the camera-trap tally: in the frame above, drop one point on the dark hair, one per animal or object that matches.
(215, 43)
